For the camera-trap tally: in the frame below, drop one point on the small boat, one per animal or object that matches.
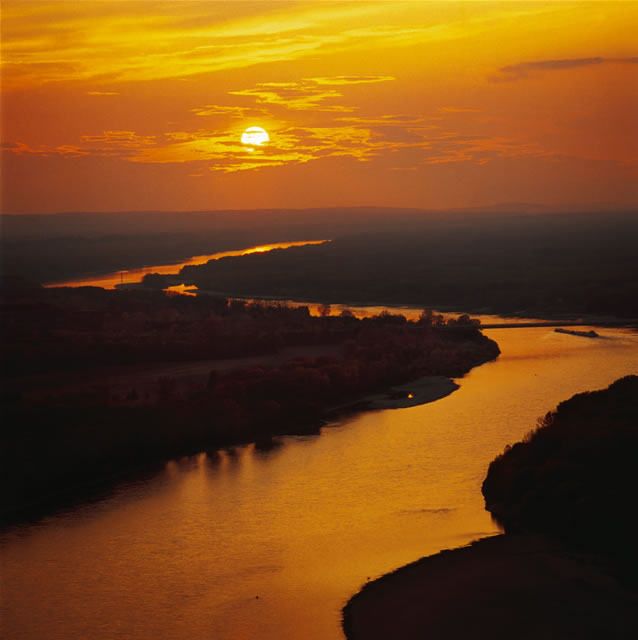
(572, 332)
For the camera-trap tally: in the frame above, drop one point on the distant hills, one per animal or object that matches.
(143, 222)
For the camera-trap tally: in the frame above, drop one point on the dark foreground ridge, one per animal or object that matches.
(566, 566)
(574, 476)
(99, 383)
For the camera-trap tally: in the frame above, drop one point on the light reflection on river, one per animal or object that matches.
(130, 276)
(185, 553)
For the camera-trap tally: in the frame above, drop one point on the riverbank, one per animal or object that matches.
(97, 482)
(364, 308)
(412, 394)
(133, 277)
(98, 383)
(129, 442)
(566, 566)
(302, 524)
(508, 586)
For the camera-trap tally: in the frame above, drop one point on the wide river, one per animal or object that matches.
(250, 545)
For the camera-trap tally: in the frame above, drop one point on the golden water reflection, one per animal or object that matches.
(186, 553)
(111, 280)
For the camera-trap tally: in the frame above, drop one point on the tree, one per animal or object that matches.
(324, 310)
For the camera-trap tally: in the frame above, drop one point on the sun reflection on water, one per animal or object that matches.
(131, 276)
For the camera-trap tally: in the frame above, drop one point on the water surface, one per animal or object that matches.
(130, 276)
(186, 552)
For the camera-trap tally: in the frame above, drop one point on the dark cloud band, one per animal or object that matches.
(525, 69)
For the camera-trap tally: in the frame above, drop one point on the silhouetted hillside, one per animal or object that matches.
(574, 477)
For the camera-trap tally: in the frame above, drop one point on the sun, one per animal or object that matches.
(255, 136)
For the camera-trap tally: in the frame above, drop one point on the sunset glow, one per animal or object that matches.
(387, 103)
(254, 136)
(285, 286)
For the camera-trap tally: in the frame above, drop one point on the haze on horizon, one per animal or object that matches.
(132, 106)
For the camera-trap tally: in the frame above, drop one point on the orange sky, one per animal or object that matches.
(141, 105)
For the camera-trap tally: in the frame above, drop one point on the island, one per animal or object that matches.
(99, 383)
(573, 332)
(566, 566)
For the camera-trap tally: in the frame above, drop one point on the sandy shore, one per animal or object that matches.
(505, 587)
(411, 394)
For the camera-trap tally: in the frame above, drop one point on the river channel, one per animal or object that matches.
(133, 276)
(269, 545)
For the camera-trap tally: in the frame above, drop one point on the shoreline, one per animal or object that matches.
(565, 566)
(306, 372)
(498, 588)
(420, 391)
(178, 262)
(424, 390)
(521, 315)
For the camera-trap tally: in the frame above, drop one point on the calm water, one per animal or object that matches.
(185, 553)
(111, 280)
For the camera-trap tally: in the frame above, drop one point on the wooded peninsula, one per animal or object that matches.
(566, 566)
(99, 382)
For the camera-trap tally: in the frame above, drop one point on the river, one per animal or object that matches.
(269, 545)
(132, 276)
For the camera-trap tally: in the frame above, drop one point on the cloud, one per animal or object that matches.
(404, 148)
(108, 143)
(45, 151)
(297, 96)
(293, 145)
(526, 69)
(230, 111)
(128, 41)
(400, 141)
(309, 94)
(340, 80)
(459, 110)
(482, 150)
(386, 120)
(102, 93)
(122, 139)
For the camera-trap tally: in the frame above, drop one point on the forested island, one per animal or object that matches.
(540, 265)
(98, 382)
(566, 565)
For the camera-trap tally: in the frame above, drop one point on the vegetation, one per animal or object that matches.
(533, 265)
(574, 476)
(566, 567)
(500, 262)
(88, 390)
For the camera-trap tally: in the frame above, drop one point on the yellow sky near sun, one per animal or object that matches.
(127, 105)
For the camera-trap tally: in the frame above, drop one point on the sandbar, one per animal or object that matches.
(411, 394)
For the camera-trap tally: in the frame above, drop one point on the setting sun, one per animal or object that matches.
(255, 136)
(143, 105)
(279, 282)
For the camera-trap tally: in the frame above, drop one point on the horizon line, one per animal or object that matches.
(546, 208)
